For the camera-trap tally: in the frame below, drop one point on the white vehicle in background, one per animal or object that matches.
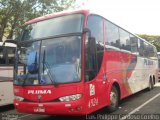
(7, 54)
(158, 54)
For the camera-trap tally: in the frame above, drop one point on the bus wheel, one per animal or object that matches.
(114, 100)
(150, 87)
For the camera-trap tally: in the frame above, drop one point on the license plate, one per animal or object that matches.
(39, 109)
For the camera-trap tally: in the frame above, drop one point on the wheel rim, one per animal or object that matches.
(113, 98)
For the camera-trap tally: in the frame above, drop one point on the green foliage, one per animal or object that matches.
(154, 39)
(13, 13)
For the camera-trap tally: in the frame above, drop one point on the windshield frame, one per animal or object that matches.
(41, 40)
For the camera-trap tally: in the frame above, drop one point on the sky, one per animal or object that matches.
(136, 16)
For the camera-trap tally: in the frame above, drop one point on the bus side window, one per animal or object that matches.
(112, 36)
(153, 53)
(146, 50)
(124, 40)
(141, 47)
(134, 44)
(10, 51)
(2, 56)
(93, 63)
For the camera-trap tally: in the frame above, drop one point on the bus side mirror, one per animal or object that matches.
(92, 45)
(87, 30)
(91, 41)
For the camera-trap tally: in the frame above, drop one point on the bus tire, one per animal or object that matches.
(154, 81)
(150, 87)
(114, 100)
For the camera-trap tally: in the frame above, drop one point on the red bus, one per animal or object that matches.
(75, 63)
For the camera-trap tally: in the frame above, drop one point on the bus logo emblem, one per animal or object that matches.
(39, 92)
(39, 97)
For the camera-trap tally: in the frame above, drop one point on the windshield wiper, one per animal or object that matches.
(24, 80)
(50, 73)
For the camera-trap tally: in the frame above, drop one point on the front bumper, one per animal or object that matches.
(54, 108)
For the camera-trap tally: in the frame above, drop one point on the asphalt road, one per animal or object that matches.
(144, 105)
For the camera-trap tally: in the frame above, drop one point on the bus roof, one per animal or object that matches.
(49, 16)
(8, 44)
(83, 11)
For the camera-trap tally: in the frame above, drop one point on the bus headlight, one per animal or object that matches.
(18, 98)
(70, 98)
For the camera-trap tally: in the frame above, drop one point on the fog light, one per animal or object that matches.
(72, 109)
(79, 108)
(16, 104)
(18, 98)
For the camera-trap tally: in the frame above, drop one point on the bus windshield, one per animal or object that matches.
(48, 53)
(50, 61)
(51, 27)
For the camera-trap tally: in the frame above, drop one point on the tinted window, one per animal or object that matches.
(134, 44)
(140, 47)
(10, 55)
(146, 49)
(112, 35)
(124, 40)
(56, 26)
(2, 56)
(7, 55)
(95, 24)
(155, 52)
(151, 52)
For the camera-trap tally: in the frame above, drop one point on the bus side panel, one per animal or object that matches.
(116, 71)
(143, 69)
(122, 67)
(96, 90)
(6, 85)
(6, 93)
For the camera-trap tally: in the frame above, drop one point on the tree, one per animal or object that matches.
(13, 13)
(154, 39)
